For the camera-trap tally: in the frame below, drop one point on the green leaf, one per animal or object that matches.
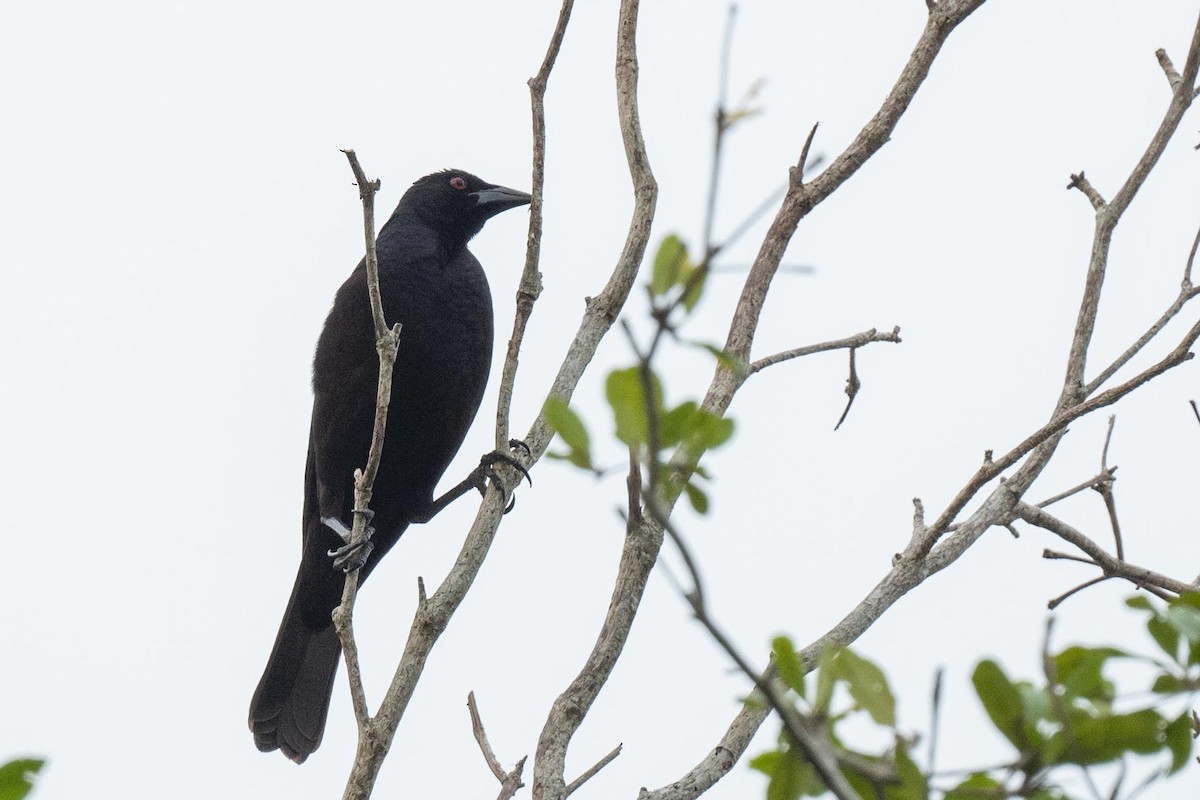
(1185, 619)
(1165, 635)
(978, 785)
(697, 497)
(567, 424)
(16, 777)
(1187, 599)
(1179, 742)
(1001, 701)
(709, 431)
(868, 686)
(693, 281)
(1169, 684)
(675, 425)
(791, 670)
(671, 265)
(912, 784)
(1140, 602)
(1102, 739)
(623, 389)
(825, 677)
(791, 776)
(767, 762)
(1079, 671)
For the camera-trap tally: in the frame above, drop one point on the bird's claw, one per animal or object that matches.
(491, 459)
(351, 556)
(486, 472)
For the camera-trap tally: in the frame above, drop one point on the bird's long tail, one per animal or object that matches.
(292, 700)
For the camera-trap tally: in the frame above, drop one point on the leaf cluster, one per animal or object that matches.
(642, 420)
(821, 700)
(1073, 717)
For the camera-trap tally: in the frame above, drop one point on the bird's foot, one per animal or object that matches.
(478, 479)
(352, 555)
(486, 471)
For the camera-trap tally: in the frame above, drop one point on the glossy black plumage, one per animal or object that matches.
(437, 290)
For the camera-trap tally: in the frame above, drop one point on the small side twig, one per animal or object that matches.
(1079, 181)
(1168, 68)
(592, 770)
(802, 165)
(1090, 483)
(935, 716)
(850, 342)
(510, 782)
(1056, 602)
(1111, 565)
(853, 384)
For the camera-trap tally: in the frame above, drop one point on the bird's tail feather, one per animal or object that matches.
(292, 700)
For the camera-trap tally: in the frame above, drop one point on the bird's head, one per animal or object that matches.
(457, 203)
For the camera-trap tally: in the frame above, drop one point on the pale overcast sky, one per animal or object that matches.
(177, 217)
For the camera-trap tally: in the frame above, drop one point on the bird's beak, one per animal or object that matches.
(495, 199)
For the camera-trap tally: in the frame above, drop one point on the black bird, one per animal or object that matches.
(434, 287)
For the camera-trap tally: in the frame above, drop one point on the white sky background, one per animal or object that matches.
(177, 217)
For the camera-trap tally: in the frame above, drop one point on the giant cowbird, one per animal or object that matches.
(434, 287)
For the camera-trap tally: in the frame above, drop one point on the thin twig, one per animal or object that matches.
(1106, 222)
(1090, 483)
(935, 716)
(1052, 429)
(1056, 602)
(1110, 503)
(591, 771)
(1055, 555)
(485, 747)
(1108, 563)
(386, 343)
(719, 127)
(802, 164)
(853, 384)
(530, 287)
(1186, 284)
(850, 342)
(1112, 421)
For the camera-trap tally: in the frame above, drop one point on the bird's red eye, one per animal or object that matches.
(458, 183)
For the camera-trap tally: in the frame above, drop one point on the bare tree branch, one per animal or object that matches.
(850, 342)
(720, 126)
(510, 782)
(530, 287)
(641, 544)
(386, 343)
(1108, 563)
(1107, 218)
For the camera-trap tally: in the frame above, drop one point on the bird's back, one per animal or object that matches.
(443, 302)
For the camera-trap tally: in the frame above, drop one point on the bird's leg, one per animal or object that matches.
(478, 480)
(351, 556)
